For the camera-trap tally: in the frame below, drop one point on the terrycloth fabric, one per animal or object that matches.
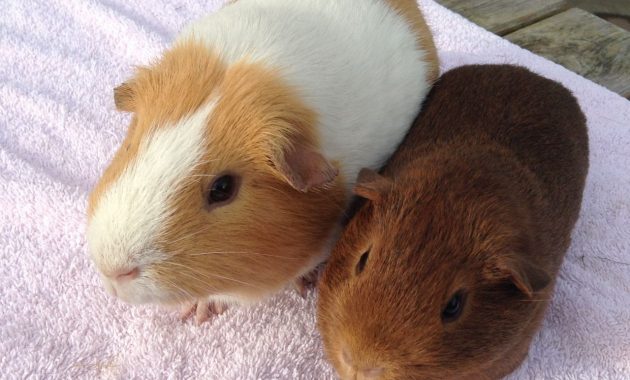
(60, 59)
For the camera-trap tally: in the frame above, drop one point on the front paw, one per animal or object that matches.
(202, 310)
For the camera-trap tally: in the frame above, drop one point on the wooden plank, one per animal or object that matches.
(611, 7)
(583, 43)
(505, 16)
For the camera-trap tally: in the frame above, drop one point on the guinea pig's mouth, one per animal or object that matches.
(138, 291)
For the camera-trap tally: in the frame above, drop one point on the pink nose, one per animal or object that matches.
(361, 373)
(124, 274)
(370, 373)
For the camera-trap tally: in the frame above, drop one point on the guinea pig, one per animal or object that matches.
(447, 267)
(244, 137)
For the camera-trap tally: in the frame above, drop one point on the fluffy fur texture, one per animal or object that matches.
(480, 199)
(59, 129)
(283, 95)
(357, 64)
(128, 219)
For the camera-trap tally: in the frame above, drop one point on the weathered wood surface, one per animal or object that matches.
(611, 7)
(505, 16)
(583, 43)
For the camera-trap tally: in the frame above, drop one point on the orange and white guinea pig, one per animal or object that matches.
(244, 138)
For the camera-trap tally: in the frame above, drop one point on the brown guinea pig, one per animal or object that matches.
(447, 268)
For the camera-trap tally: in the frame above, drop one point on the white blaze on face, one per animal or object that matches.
(132, 211)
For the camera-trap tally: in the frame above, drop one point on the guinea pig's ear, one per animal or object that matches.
(371, 185)
(303, 167)
(124, 97)
(526, 276)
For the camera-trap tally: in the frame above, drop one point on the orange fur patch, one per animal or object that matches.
(410, 11)
(160, 95)
(271, 232)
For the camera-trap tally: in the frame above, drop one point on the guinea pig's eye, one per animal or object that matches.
(223, 189)
(454, 307)
(362, 260)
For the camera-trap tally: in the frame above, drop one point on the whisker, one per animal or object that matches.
(188, 236)
(240, 252)
(182, 290)
(205, 162)
(209, 274)
(188, 181)
(187, 295)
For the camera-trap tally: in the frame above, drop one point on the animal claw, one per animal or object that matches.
(202, 310)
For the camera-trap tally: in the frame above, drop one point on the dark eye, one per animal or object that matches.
(362, 260)
(222, 189)
(454, 307)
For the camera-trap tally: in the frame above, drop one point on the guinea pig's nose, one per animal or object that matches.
(123, 274)
(369, 373)
(361, 373)
(346, 358)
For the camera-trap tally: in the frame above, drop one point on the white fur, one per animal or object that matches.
(355, 62)
(131, 213)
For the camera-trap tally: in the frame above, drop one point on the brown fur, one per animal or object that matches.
(286, 228)
(481, 196)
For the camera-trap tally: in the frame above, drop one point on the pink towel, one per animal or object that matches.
(59, 61)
